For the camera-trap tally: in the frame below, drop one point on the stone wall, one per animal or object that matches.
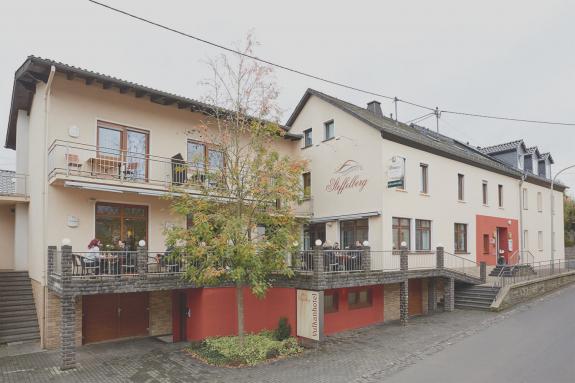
(570, 252)
(524, 291)
(160, 313)
(424, 296)
(53, 321)
(391, 302)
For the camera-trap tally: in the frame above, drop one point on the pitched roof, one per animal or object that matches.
(544, 156)
(533, 150)
(36, 69)
(412, 135)
(503, 147)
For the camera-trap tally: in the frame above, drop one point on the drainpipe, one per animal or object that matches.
(45, 191)
(521, 235)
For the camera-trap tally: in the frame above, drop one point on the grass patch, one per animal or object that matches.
(257, 348)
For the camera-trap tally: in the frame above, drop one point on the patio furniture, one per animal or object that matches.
(85, 265)
(73, 162)
(128, 261)
(105, 165)
(130, 171)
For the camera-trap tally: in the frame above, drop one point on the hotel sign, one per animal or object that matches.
(309, 314)
(347, 177)
(396, 172)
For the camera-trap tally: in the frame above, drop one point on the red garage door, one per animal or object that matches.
(415, 297)
(114, 316)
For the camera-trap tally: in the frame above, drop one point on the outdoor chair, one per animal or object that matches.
(88, 267)
(73, 162)
(128, 263)
(131, 170)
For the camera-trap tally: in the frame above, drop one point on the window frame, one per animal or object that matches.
(357, 304)
(539, 202)
(460, 187)
(326, 126)
(335, 302)
(540, 240)
(424, 178)
(486, 244)
(306, 189)
(525, 197)
(500, 195)
(526, 239)
(399, 228)
(485, 192)
(305, 137)
(418, 231)
(465, 239)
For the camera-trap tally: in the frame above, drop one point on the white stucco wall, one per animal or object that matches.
(6, 237)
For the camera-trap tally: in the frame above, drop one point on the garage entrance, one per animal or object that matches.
(114, 316)
(415, 306)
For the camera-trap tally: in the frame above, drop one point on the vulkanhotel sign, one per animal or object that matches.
(309, 312)
(347, 177)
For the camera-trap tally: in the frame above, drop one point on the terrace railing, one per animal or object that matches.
(13, 184)
(528, 271)
(74, 159)
(462, 265)
(421, 260)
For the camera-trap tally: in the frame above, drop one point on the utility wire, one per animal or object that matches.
(420, 118)
(319, 78)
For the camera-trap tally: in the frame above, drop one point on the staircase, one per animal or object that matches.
(18, 320)
(509, 270)
(474, 297)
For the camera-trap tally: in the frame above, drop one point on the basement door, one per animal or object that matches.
(415, 306)
(114, 316)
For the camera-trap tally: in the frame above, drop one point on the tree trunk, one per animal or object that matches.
(240, 307)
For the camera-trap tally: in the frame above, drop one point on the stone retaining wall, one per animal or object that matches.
(523, 291)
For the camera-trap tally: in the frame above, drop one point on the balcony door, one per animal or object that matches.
(115, 222)
(128, 147)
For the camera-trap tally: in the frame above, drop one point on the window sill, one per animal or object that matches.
(461, 253)
(424, 194)
(501, 208)
(401, 190)
(485, 205)
(329, 139)
(461, 201)
(306, 198)
(308, 146)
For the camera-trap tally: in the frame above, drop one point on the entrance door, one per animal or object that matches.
(501, 244)
(114, 316)
(415, 306)
(184, 315)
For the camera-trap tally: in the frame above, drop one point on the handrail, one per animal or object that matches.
(457, 256)
(500, 275)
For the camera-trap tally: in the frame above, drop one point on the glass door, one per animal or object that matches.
(136, 164)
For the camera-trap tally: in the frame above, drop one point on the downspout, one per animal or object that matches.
(521, 234)
(45, 194)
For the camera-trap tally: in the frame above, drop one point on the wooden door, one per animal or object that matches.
(99, 317)
(114, 316)
(415, 306)
(133, 316)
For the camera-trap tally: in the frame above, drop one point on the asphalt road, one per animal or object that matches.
(533, 345)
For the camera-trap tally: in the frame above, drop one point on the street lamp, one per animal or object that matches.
(552, 207)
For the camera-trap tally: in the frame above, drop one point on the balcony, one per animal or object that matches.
(13, 187)
(87, 166)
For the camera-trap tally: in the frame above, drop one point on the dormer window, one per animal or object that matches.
(542, 167)
(528, 164)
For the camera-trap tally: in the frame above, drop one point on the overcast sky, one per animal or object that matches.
(512, 58)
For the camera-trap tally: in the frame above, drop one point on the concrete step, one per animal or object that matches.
(17, 312)
(479, 302)
(15, 291)
(20, 330)
(16, 324)
(5, 298)
(476, 293)
(10, 306)
(470, 306)
(19, 338)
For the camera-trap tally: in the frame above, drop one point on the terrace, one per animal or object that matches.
(13, 187)
(83, 273)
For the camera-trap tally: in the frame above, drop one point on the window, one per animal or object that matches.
(460, 186)
(525, 200)
(542, 168)
(352, 232)
(115, 222)
(424, 178)
(306, 185)
(484, 192)
(539, 201)
(307, 140)
(330, 302)
(485, 243)
(526, 239)
(528, 161)
(312, 233)
(359, 298)
(422, 234)
(329, 130)
(401, 232)
(500, 195)
(540, 240)
(125, 145)
(460, 238)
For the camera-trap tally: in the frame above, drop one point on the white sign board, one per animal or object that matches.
(396, 172)
(309, 312)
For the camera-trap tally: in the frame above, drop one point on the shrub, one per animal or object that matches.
(256, 348)
(284, 329)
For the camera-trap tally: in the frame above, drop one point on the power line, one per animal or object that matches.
(323, 79)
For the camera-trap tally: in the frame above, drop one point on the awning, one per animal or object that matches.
(346, 217)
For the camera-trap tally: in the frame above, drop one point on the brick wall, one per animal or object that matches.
(38, 293)
(391, 302)
(160, 312)
(53, 318)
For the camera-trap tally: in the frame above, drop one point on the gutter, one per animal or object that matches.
(521, 236)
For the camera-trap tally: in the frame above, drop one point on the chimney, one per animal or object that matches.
(375, 108)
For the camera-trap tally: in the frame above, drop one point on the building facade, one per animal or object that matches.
(400, 212)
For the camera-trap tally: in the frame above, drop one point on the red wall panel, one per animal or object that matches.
(488, 225)
(214, 311)
(345, 318)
